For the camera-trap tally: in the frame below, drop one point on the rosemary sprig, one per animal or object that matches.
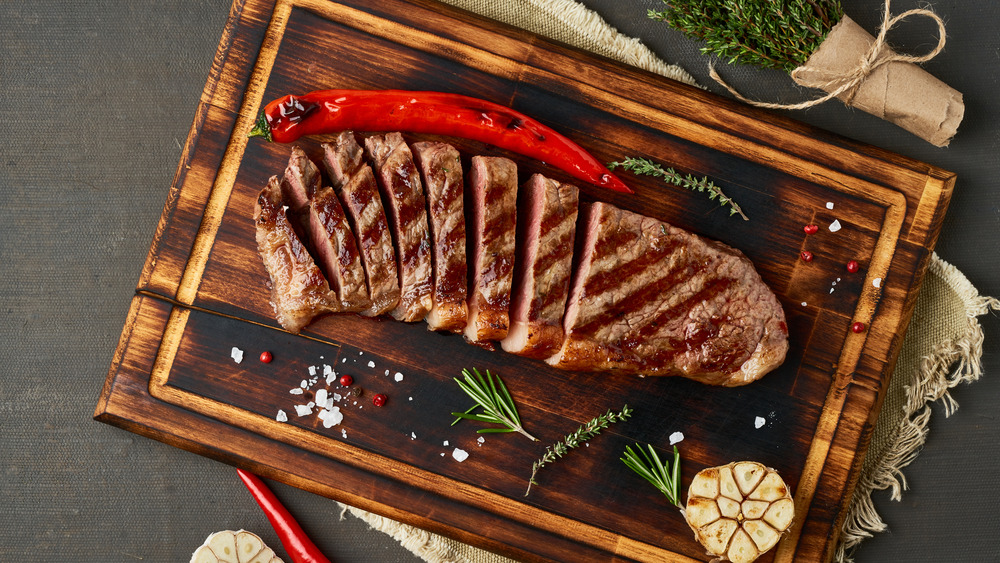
(647, 167)
(772, 34)
(492, 396)
(573, 440)
(664, 476)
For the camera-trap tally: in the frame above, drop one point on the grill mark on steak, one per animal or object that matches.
(299, 291)
(441, 170)
(358, 192)
(652, 299)
(492, 210)
(403, 196)
(546, 227)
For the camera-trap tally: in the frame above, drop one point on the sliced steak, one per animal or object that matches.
(403, 196)
(355, 185)
(492, 212)
(546, 225)
(325, 231)
(299, 291)
(649, 298)
(441, 170)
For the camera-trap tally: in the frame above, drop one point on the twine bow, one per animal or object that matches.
(878, 54)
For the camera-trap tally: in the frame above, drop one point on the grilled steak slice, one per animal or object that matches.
(299, 292)
(492, 211)
(441, 170)
(546, 225)
(649, 298)
(403, 196)
(358, 191)
(325, 231)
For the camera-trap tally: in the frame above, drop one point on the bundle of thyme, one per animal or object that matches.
(647, 167)
(575, 439)
(770, 33)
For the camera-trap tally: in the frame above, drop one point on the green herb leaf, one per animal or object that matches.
(647, 167)
(665, 477)
(574, 439)
(497, 404)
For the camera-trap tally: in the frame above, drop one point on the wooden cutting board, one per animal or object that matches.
(204, 291)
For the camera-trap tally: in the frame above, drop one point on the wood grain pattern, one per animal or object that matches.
(203, 291)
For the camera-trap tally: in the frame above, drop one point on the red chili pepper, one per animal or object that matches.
(298, 545)
(330, 111)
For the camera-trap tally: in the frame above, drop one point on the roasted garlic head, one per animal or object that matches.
(738, 511)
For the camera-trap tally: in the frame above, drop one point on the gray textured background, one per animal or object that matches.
(96, 99)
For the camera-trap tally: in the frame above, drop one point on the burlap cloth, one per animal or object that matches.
(943, 345)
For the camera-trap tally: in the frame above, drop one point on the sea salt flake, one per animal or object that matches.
(759, 422)
(282, 416)
(829, 205)
(835, 226)
(460, 455)
(371, 364)
(296, 391)
(236, 354)
(398, 376)
(877, 282)
(676, 437)
(303, 410)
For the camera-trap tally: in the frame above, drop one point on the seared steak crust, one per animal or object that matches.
(441, 170)
(492, 201)
(355, 185)
(299, 292)
(649, 298)
(403, 196)
(546, 226)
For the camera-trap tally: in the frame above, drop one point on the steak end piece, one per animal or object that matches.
(649, 298)
(358, 192)
(403, 197)
(546, 228)
(440, 167)
(492, 221)
(299, 291)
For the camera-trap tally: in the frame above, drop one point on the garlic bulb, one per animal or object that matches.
(228, 546)
(739, 511)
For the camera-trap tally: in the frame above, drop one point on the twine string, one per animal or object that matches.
(879, 54)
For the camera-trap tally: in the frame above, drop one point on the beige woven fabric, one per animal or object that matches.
(943, 345)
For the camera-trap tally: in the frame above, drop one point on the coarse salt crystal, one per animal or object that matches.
(481, 440)
(676, 437)
(321, 397)
(296, 391)
(304, 384)
(282, 416)
(343, 360)
(803, 303)
(371, 364)
(831, 290)
(312, 371)
(829, 205)
(236, 354)
(398, 376)
(877, 282)
(337, 396)
(446, 442)
(460, 454)
(343, 432)
(303, 410)
(387, 372)
(413, 435)
(759, 422)
(331, 417)
(361, 353)
(835, 226)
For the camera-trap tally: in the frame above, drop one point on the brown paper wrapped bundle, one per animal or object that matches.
(834, 54)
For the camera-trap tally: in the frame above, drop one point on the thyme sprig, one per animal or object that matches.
(773, 34)
(492, 397)
(664, 476)
(574, 439)
(647, 167)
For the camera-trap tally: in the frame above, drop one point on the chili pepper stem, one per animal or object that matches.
(261, 128)
(298, 545)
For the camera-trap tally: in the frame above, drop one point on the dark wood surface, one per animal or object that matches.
(203, 291)
(100, 98)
